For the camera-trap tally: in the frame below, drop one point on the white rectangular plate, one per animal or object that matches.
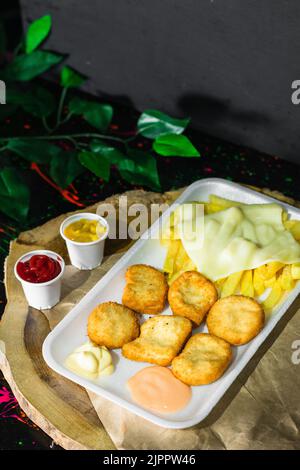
(71, 331)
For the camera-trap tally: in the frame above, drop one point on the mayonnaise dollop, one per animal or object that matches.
(90, 361)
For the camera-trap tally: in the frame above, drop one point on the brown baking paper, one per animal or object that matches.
(261, 410)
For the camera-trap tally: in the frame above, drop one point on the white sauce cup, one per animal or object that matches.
(42, 295)
(85, 255)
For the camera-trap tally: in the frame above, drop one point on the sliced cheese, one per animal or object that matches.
(237, 239)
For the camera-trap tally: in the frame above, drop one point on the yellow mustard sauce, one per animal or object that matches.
(84, 230)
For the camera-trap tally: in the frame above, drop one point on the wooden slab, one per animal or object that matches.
(60, 407)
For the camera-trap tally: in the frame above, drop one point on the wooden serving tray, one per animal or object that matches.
(63, 409)
(58, 406)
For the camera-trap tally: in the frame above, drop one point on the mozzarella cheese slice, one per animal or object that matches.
(237, 239)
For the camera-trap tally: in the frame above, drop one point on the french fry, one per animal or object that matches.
(219, 282)
(270, 282)
(295, 271)
(167, 233)
(284, 216)
(274, 297)
(247, 288)
(267, 271)
(211, 208)
(288, 224)
(222, 202)
(293, 226)
(231, 284)
(258, 283)
(286, 279)
(174, 276)
(171, 255)
(295, 230)
(181, 258)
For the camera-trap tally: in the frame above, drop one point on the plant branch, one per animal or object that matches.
(60, 106)
(68, 116)
(45, 124)
(17, 49)
(93, 135)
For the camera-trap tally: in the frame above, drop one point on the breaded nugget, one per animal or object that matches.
(191, 295)
(146, 289)
(112, 325)
(161, 339)
(203, 360)
(236, 318)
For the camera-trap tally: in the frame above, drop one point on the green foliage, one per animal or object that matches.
(38, 151)
(28, 66)
(96, 163)
(153, 123)
(96, 114)
(69, 78)
(172, 145)
(37, 33)
(140, 168)
(65, 167)
(40, 102)
(136, 166)
(14, 194)
(96, 151)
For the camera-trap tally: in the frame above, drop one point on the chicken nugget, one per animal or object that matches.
(112, 325)
(191, 295)
(203, 360)
(146, 289)
(161, 339)
(236, 318)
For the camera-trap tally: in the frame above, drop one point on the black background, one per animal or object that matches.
(228, 64)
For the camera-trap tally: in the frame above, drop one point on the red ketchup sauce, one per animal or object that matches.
(39, 268)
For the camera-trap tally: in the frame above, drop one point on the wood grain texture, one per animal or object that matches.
(64, 410)
(58, 406)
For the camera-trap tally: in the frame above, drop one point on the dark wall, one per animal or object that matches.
(228, 64)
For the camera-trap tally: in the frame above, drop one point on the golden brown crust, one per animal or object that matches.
(191, 295)
(112, 325)
(236, 318)
(161, 339)
(203, 360)
(146, 289)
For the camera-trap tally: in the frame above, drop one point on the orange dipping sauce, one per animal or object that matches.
(157, 389)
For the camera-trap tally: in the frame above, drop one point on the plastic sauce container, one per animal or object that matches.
(42, 295)
(85, 255)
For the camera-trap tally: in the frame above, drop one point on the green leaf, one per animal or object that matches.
(42, 103)
(27, 66)
(14, 194)
(140, 168)
(37, 32)
(112, 154)
(153, 123)
(39, 103)
(70, 78)
(96, 114)
(96, 163)
(175, 145)
(64, 168)
(39, 151)
(137, 167)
